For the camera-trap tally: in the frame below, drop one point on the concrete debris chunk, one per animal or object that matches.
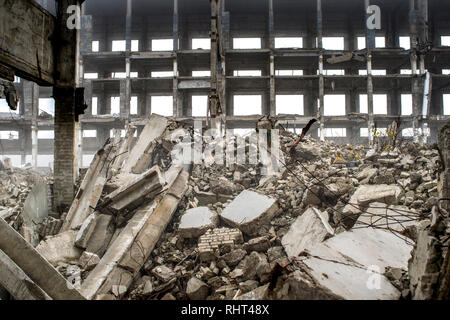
(364, 196)
(196, 289)
(196, 221)
(310, 229)
(60, 248)
(248, 211)
(90, 189)
(140, 156)
(17, 283)
(89, 260)
(367, 248)
(163, 273)
(131, 195)
(35, 266)
(400, 219)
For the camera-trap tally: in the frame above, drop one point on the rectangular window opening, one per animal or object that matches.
(162, 105)
(247, 43)
(288, 42)
(245, 105)
(334, 105)
(289, 104)
(199, 106)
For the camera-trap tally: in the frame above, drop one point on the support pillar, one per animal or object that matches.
(66, 80)
(370, 41)
(321, 77)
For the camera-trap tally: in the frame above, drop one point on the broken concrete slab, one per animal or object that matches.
(350, 282)
(60, 248)
(102, 234)
(365, 195)
(140, 156)
(35, 209)
(91, 188)
(131, 195)
(309, 229)
(35, 266)
(196, 221)
(366, 248)
(424, 266)
(400, 219)
(123, 150)
(248, 211)
(131, 249)
(17, 283)
(86, 230)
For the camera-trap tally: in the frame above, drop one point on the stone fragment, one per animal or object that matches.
(119, 291)
(400, 219)
(258, 294)
(260, 244)
(248, 211)
(60, 248)
(163, 273)
(222, 186)
(275, 253)
(196, 221)
(88, 260)
(365, 195)
(196, 289)
(308, 230)
(233, 258)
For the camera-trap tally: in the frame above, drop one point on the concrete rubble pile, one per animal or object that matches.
(335, 222)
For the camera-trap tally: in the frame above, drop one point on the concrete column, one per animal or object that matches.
(321, 77)
(34, 144)
(271, 26)
(175, 94)
(66, 161)
(175, 25)
(370, 41)
(23, 146)
(272, 93)
(65, 144)
(128, 26)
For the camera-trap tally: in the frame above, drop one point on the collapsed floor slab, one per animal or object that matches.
(90, 190)
(130, 250)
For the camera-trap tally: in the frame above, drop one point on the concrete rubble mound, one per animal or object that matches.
(335, 222)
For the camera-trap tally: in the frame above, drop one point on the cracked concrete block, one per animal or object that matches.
(390, 217)
(309, 229)
(35, 266)
(101, 236)
(364, 196)
(140, 156)
(350, 282)
(196, 221)
(248, 211)
(86, 230)
(351, 265)
(132, 194)
(17, 283)
(367, 248)
(60, 248)
(89, 260)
